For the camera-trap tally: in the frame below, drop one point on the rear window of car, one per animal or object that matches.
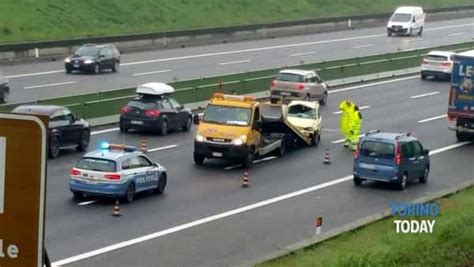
(377, 149)
(96, 164)
(289, 77)
(436, 58)
(144, 104)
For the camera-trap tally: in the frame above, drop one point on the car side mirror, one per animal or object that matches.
(413, 20)
(426, 151)
(155, 165)
(257, 125)
(196, 119)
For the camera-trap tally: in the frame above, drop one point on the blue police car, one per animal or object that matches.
(116, 171)
(391, 157)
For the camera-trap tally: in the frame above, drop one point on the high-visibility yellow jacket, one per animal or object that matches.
(355, 122)
(347, 108)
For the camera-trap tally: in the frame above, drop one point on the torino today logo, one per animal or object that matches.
(412, 225)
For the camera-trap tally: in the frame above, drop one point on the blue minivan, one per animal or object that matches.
(391, 157)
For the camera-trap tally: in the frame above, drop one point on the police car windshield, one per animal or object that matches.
(96, 164)
(227, 115)
(377, 150)
(300, 111)
(401, 17)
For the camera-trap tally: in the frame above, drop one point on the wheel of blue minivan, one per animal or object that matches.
(402, 182)
(426, 173)
(357, 180)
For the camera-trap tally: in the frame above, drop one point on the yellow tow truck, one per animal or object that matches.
(240, 128)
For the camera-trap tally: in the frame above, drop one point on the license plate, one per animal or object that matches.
(137, 122)
(285, 94)
(367, 166)
(91, 182)
(217, 154)
(76, 65)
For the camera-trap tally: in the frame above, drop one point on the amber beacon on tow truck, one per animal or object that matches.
(240, 128)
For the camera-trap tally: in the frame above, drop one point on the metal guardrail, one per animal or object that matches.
(190, 32)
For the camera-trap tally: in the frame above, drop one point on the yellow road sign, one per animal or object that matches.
(22, 189)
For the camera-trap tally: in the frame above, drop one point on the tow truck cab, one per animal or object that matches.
(240, 128)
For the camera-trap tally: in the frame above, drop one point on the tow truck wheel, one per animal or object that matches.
(198, 159)
(315, 139)
(161, 184)
(130, 194)
(248, 161)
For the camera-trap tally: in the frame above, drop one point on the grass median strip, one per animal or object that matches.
(377, 244)
(108, 102)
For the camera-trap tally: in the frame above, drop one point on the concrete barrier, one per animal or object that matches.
(163, 40)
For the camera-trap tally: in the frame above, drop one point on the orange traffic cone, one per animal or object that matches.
(143, 147)
(245, 180)
(116, 212)
(327, 158)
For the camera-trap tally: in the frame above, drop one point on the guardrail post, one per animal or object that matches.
(84, 110)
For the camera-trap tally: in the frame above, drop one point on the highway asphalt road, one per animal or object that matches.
(206, 219)
(33, 81)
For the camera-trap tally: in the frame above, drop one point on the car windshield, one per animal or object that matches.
(400, 17)
(301, 111)
(289, 77)
(377, 150)
(227, 115)
(87, 51)
(144, 104)
(96, 164)
(436, 58)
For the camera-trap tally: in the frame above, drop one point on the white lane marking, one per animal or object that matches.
(424, 95)
(449, 27)
(220, 216)
(372, 84)
(33, 74)
(255, 161)
(87, 203)
(363, 46)
(456, 34)
(342, 140)
(329, 130)
(105, 131)
(150, 72)
(360, 108)
(302, 54)
(161, 148)
(48, 85)
(433, 118)
(234, 62)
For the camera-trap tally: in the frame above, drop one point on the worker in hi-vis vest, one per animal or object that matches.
(354, 127)
(347, 109)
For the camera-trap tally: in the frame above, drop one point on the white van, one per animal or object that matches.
(406, 20)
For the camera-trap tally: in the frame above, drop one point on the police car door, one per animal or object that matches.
(149, 174)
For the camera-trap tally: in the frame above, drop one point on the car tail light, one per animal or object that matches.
(398, 157)
(125, 110)
(446, 64)
(74, 172)
(152, 113)
(112, 176)
(272, 84)
(299, 86)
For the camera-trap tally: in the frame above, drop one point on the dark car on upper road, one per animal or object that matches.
(94, 58)
(66, 130)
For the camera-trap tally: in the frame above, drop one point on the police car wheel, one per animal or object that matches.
(130, 194)
(53, 151)
(164, 128)
(161, 184)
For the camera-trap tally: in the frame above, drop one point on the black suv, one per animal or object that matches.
(94, 58)
(65, 128)
(155, 112)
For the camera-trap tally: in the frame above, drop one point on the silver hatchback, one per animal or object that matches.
(293, 84)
